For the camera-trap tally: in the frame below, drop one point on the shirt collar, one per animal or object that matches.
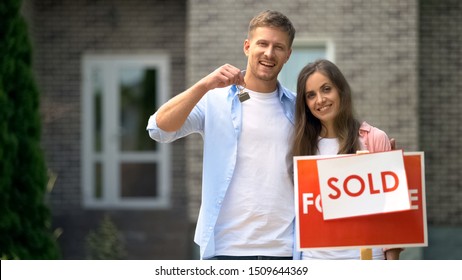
(282, 92)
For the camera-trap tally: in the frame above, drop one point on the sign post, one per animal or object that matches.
(364, 253)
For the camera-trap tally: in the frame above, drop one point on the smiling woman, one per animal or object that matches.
(325, 124)
(324, 109)
(323, 100)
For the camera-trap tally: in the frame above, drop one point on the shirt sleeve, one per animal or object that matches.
(193, 124)
(374, 139)
(158, 134)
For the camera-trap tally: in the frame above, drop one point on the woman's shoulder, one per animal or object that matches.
(366, 128)
(374, 139)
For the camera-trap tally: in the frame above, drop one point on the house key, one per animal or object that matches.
(243, 95)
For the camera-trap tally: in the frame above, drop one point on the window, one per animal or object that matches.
(303, 52)
(122, 167)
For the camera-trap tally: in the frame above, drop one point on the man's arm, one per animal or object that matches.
(172, 115)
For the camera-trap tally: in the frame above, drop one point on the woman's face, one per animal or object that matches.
(322, 98)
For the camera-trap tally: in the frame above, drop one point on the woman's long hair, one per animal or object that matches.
(308, 128)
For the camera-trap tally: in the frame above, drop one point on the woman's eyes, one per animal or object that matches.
(310, 95)
(326, 89)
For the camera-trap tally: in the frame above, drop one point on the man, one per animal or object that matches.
(247, 209)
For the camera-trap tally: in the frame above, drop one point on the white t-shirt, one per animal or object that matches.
(258, 210)
(330, 146)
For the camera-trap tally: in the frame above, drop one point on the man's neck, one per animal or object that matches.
(259, 85)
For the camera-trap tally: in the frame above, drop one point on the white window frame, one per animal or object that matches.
(303, 43)
(111, 156)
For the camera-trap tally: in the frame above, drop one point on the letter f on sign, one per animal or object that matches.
(307, 200)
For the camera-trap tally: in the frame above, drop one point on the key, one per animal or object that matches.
(243, 95)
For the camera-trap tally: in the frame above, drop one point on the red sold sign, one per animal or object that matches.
(371, 183)
(397, 229)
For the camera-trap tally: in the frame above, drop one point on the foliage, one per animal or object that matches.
(104, 243)
(25, 219)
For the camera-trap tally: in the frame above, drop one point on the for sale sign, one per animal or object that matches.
(363, 184)
(403, 228)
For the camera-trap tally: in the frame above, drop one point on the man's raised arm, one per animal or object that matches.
(172, 115)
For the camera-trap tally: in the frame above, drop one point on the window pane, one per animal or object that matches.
(137, 90)
(97, 93)
(300, 57)
(138, 179)
(98, 171)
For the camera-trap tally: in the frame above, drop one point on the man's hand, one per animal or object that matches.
(222, 77)
(393, 143)
(393, 254)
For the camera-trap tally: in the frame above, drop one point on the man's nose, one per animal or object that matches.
(269, 52)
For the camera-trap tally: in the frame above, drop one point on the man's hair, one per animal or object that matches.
(275, 19)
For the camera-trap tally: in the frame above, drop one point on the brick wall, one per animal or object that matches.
(440, 108)
(63, 32)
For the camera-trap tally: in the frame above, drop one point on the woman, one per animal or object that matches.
(325, 124)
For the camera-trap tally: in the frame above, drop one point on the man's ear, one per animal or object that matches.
(246, 47)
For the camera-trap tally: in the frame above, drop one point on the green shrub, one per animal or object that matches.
(25, 219)
(104, 243)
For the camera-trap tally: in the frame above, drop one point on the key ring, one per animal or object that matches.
(243, 95)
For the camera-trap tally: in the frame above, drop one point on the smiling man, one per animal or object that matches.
(247, 209)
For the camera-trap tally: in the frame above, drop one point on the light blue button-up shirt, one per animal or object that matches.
(218, 118)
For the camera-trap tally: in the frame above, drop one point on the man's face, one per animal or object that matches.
(267, 49)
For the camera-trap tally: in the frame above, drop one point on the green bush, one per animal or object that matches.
(25, 219)
(104, 243)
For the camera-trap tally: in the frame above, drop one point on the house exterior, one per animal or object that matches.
(103, 67)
